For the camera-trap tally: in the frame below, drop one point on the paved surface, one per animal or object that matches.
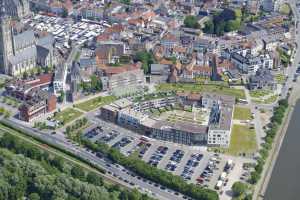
(143, 186)
(262, 185)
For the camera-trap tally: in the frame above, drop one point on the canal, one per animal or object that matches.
(285, 179)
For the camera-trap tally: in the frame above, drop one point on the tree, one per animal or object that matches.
(39, 70)
(225, 21)
(4, 189)
(232, 25)
(219, 28)
(94, 179)
(191, 21)
(96, 83)
(61, 96)
(209, 27)
(238, 188)
(58, 162)
(255, 176)
(146, 58)
(34, 196)
(25, 75)
(127, 2)
(77, 172)
(64, 13)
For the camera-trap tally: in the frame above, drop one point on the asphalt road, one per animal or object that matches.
(116, 172)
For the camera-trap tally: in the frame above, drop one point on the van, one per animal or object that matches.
(219, 185)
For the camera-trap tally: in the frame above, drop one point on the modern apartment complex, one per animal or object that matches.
(213, 130)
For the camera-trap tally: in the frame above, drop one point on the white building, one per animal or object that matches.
(130, 118)
(60, 76)
(219, 132)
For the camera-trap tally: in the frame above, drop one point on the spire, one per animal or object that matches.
(2, 9)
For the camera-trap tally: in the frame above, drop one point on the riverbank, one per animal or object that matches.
(284, 182)
(262, 185)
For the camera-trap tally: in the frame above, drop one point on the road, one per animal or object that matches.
(143, 185)
(292, 69)
(294, 96)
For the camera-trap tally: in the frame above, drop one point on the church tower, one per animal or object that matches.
(6, 43)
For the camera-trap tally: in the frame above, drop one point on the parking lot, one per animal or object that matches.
(184, 161)
(194, 164)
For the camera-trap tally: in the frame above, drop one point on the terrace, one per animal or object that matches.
(238, 93)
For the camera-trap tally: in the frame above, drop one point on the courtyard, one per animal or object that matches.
(198, 116)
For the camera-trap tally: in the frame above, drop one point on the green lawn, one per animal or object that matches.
(269, 100)
(187, 87)
(95, 103)
(243, 141)
(280, 78)
(67, 115)
(259, 93)
(241, 113)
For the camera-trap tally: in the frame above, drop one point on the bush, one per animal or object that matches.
(238, 188)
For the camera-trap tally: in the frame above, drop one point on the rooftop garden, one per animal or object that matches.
(152, 96)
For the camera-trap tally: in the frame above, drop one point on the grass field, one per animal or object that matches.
(243, 141)
(280, 78)
(259, 93)
(269, 100)
(67, 115)
(241, 113)
(187, 87)
(95, 103)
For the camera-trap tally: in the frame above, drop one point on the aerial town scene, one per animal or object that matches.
(149, 99)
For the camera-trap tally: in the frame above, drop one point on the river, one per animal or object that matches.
(285, 179)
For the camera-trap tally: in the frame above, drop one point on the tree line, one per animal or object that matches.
(273, 127)
(27, 172)
(149, 172)
(225, 21)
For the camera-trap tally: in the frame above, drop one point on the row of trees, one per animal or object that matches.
(226, 21)
(276, 121)
(76, 125)
(34, 174)
(37, 71)
(74, 131)
(152, 173)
